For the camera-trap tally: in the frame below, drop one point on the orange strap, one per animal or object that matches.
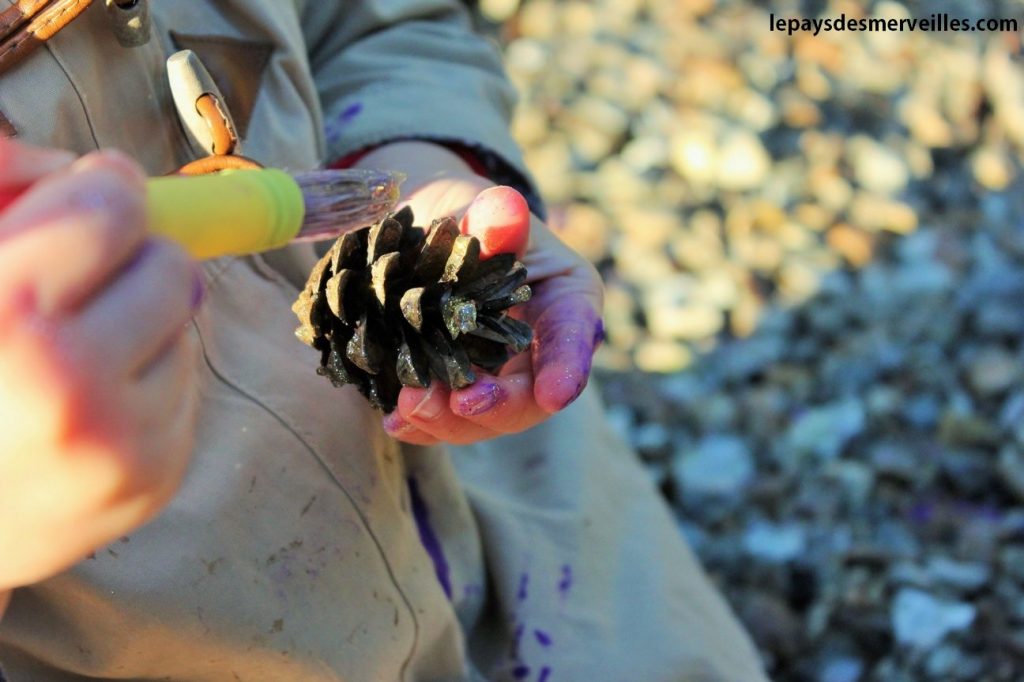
(225, 141)
(224, 137)
(44, 20)
(15, 16)
(215, 164)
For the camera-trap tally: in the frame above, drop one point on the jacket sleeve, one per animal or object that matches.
(411, 69)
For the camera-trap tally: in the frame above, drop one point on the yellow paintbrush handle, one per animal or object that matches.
(230, 213)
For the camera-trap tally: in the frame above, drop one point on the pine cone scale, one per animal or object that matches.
(464, 260)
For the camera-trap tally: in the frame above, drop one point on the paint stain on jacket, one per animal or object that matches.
(429, 538)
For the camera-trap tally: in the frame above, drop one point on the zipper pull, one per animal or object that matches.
(129, 20)
(201, 106)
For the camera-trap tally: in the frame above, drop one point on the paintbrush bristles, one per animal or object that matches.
(338, 201)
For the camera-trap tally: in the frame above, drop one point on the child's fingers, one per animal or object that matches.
(67, 235)
(504, 404)
(167, 385)
(500, 218)
(143, 310)
(429, 411)
(165, 399)
(22, 164)
(398, 428)
(566, 333)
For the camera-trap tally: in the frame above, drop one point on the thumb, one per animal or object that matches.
(500, 218)
(21, 165)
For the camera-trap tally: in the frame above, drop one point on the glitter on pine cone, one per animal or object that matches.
(392, 305)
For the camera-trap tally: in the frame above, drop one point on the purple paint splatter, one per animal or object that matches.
(335, 126)
(517, 639)
(350, 112)
(429, 538)
(565, 584)
(543, 638)
(524, 581)
(545, 673)
(521, 672)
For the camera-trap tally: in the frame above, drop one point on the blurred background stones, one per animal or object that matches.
(814, 255)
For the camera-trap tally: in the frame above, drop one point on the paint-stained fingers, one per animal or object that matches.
(504, 404)
(429, 411)
(399, 429)
(567, 331)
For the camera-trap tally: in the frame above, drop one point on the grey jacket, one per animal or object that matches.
(304, 543)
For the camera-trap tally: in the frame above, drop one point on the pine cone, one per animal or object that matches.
(391, 306)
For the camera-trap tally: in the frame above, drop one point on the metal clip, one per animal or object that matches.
(201, 106)
(129, 20)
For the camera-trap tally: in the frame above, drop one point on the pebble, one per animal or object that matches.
(720, 466)
(584, 228)
(843, 669)
(960, 575)
(651, 440)
(1011, 470)
(921, 621)
(694, 155)
(1012, 412)
(993, 371)
(743, 162)
(992, 168)
(774, 543)
(876, 167)
(772, 624)
(673, 314)
(854, 244)
(941, 663)
(823, 431)
(662, 357)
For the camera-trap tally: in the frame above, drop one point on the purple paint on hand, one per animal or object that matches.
(543, 638)
(524, 581)
(565, 584)
(429, 538)
(566, 336)
(545, 673)
(521, 672)
(482, 397)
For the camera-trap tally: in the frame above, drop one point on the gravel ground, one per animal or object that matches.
(814, 253)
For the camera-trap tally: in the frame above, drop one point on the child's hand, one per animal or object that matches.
(97, 384)
(564, 314)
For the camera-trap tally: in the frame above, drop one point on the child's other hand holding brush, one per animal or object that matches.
(97, 372)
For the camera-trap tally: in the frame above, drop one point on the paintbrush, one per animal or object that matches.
(238, 212)
(247, 211)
